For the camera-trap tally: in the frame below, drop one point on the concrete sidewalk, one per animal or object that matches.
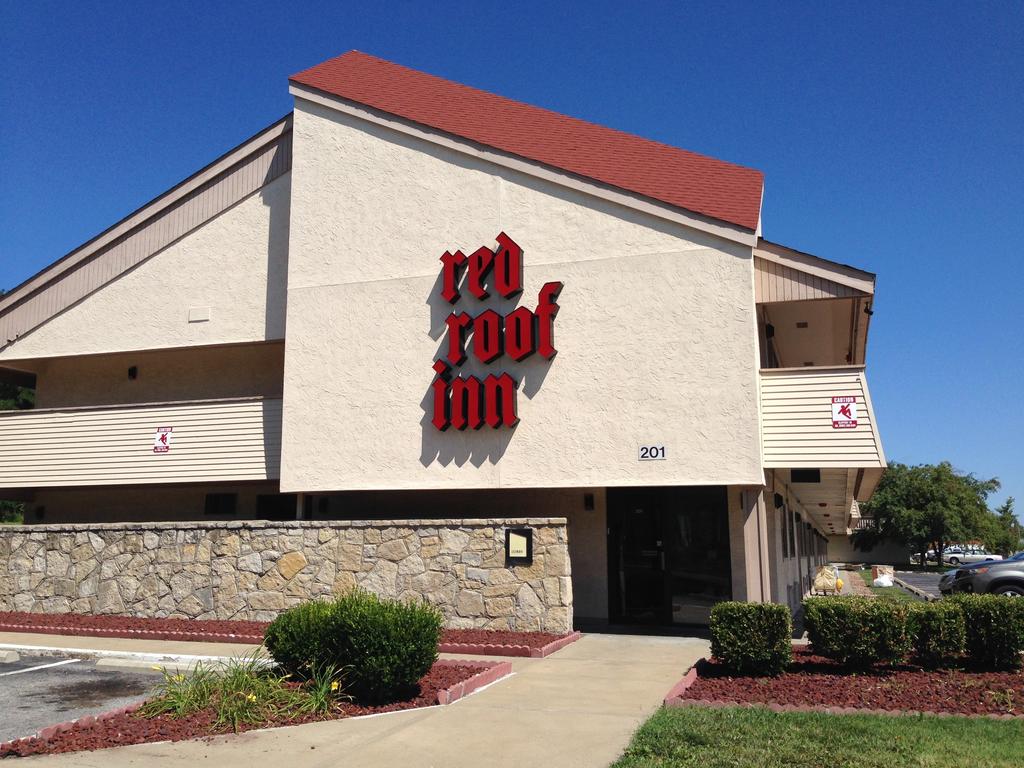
(578, 707)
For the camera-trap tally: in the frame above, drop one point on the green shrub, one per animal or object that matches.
(383, 646)
(386, 645)
(752, 638)
(995, 629)
(938, 631)
(297, 638)
(859, 631)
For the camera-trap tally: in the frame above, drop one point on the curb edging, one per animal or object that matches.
(495, 671)
(927, 596)
(134, 634)
(676, 692)
(523, 651)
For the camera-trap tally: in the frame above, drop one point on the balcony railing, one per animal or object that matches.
(206, 440)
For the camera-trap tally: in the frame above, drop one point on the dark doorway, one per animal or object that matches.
(668, 554)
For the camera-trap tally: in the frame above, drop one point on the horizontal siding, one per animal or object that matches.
(211, 440)
(152, 235)
(777, 282)
(796, 420)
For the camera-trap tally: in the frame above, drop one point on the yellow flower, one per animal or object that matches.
(178, 678)
(251, 697)
(334, 685)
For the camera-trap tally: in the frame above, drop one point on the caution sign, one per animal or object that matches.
(844, 413)
(162, 440)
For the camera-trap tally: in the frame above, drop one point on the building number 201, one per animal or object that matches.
(652, 452)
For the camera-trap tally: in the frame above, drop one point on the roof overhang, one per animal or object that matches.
(722, 229)
(857, 281)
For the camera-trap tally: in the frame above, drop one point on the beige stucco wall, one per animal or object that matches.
(235, 265)
(656, 332)
(196, 373)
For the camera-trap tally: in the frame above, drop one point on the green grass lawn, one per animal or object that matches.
(759, 738)
(889, 593)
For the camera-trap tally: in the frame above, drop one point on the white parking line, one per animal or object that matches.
(41, 666)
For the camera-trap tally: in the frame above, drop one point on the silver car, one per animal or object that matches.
(1002, 577)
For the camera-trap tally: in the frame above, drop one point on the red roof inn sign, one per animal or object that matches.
(468, 401)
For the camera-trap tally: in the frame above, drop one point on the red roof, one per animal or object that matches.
(704, 185)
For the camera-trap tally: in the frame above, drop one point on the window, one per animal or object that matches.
(275, 506)
(221, 504)
(805, 475)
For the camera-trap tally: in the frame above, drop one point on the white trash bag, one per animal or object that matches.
(883, 580)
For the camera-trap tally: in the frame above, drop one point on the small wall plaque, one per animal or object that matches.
(519, 546)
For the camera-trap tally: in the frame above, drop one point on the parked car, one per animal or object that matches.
(974, 555)
(999, 577)
(956, 554)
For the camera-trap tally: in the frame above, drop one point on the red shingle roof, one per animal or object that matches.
(703, 185)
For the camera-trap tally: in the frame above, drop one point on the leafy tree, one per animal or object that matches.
(927, 505)
(1005, 534)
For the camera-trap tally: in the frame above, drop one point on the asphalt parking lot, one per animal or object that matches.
(926, 582)
(38, 691)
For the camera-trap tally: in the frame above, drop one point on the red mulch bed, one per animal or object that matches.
(213, 630)
(498, 637)
(130, 728)
(818, 682)
(109, 625)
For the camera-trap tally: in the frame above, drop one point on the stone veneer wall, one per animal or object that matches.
(255, 569)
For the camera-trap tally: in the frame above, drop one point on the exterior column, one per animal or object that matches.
(755, 545)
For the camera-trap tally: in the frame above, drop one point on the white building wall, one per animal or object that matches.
(656, 332)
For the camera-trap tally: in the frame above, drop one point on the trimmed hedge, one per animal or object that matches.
(859, 631)
(385, 646)
(995, 629)
(939, 632)
(752, 638)
(297, 638)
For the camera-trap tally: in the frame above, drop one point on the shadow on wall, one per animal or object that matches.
(485, 444)
(272, 416)
(277, 197)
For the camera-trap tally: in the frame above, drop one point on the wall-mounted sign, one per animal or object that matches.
(518, 546)
(467, 401)
(844, 412)
(651, 452)
(162, 440)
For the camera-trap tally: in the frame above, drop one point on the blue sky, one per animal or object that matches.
(891, 135)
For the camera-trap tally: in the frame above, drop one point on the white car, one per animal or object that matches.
(967, 555)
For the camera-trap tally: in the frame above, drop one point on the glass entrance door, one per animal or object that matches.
(668, 554)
